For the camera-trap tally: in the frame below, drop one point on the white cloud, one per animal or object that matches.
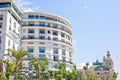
(85, 7)
(23, 4)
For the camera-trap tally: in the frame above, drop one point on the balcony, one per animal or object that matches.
(30, 57)
(46, 39)
(46, 18)
(43, 25)
(41, 31)
(55, 33)
(31, 37)
(30, 31)
(41, 56)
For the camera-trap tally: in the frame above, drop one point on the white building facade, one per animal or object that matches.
(9, 26)
(42, 34)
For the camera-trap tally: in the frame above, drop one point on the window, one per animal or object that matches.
(13, 46)
(55, 51)
(62, 34)
(63, 52)
(10, 20)
(42, 17)
(31, 17)
(54, 25)
(55, 44)
(70, 54)
(42, 50)
(0, 25)
(10, 27)
(41, 24)
(30, 37)
(49, 38)
(24, 30)
(0, 40)
(55, 33)
(30, 57)
(30, 43)
(98, 73)
(41, 43)
(41, 56)
(30, 31)
(55, 66)
(36, 17)
(31, 23)
(42, 37)
(55, 39)
(48, 25)
(42, 31)
(63, 59)
(55, 58)
(14, 25)
(8, 42)
(30, 49)
(51, 19)
(1, 17)
(48, 32)
(29, 66)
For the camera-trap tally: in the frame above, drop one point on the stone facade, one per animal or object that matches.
(105, 69)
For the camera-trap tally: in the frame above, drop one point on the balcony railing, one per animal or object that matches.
(47, 39)
(47, 27)
(62, 61)
(46, 18)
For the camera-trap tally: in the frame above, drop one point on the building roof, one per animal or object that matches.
(97, 63)
(101, 68)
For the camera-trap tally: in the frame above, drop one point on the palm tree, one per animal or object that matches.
(9, 67)
(2, 76)
(87, 64)
(17, 56)
(1, 65)
(115, 75)
(85, 68)
(79, 75)
(38, 65)
(62, 70)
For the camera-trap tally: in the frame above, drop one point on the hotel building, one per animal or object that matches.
(42, 34)
(10, 27)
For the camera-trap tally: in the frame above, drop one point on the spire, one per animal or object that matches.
(103, 58)
(108, 53)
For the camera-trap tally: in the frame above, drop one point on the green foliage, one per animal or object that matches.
(115, 75)
(15, 64)
(40, 65)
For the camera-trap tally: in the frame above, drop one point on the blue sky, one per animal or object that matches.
(95, 25)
